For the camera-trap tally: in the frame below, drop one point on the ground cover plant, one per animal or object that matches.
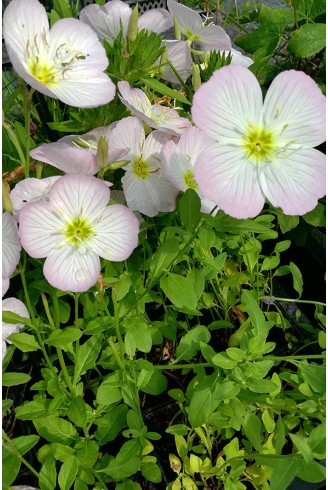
(157, 178)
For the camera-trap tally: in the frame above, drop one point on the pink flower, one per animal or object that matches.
(13, 305)
(156, 116)
(76, 227)
(11, 249)
(264, 150)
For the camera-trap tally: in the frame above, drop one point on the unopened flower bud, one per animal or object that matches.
(102, 152)
(133, 25)
(118, 164)
(6, 201)
(177, 31)
(163, 61)
(196, 80)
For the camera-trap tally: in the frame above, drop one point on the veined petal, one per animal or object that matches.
(23, 22)
(189, 21)
(193, 142)
(15, 306)
(71, 269)
(30, 190)
(215, 37)
(154, 143)
(295, 182)
(128, 134)
(11, 246)
(67, 157)
(237, 58)
(223, 106)
(178, 53)
(155, 20)
(79, 194)
(85, 91)
(134, 99)
(118, 12)
(150, 195)
(40, 229)
(228, 179)
(105, 20)
(116, 233)
(295, 107)
(5, 285)
(167, 120)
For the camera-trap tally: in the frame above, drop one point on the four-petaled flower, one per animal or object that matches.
(76, 227)
(66, 62)
(264, 150)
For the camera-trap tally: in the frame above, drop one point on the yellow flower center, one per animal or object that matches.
(259, 144)
(43, 72)
(191, 36)
(141, 168)
(189, 180)
(78, 230)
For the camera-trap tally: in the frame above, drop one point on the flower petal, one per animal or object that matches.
(178, 54)
(154, 144)
(70, 269)
(215, 37)
(105, 20)
(135, 100)
(238, 58)
(295, 106)
(296, 182)
(223, 106)
(5, 285)
(38, 229)
(15, 306)
(116, 233)
(128, 134)
(85, 91)
(155, 20)
(11, 246)
(30, 190)
(188, 19)
(76, 193)
(230, 181)
(23, 22)
(150, 195)
(67, 157)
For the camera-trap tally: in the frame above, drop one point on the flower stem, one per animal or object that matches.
(27, 110)
(288, 300)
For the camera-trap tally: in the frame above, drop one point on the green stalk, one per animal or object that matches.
(27, 111)
(11, 448)
(288, 300)
(117, 327)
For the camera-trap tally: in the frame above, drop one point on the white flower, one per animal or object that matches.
(30, 190)
(11, 248)
(264, 149)
(145, 188)
(178, 162)
(155, 115)
(66, 62)
(76, 227)
(15, 306)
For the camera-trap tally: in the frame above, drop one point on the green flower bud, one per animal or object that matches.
(102, 152)
(196, 80)
(133, 25)
(6, 201)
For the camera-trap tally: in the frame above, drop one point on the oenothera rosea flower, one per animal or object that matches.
(11, 249)
(191, 26)
(106, 20)
(264, 150)
(76, 227)
(77, 154)
(145, 188)
(178, 161)
(178, 54)
(13, 305)
(66, 62)
(155, 115)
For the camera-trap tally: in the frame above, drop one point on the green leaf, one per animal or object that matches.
(308, 40)
(87, 356)
(111, 424)
(55, 429)
(227, 224)
(66, 126)
(261, 326)
(163, 257)
(189, 209)
(303, 447)
(252, 430)
(67, 473)
(14, 379)
(314, 375)
(189, 343)
(62, 337)
(138, 328)
(151, 472)
(98, 325)
(164, 90)
(87, 452)
(287, 223)
(317, 440)
(282, 246)
(10, 466)
(270, 263)
(77, 411)
(13, 318)
(156, 385)
(312, 472)
(179, 290)
(23, 444)
(24, 341)
(6, 404)
(109, 390)
(204, 400)
(126, 463)
(47, 475)
(297, 278)
(33, 410)
(316, 217)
